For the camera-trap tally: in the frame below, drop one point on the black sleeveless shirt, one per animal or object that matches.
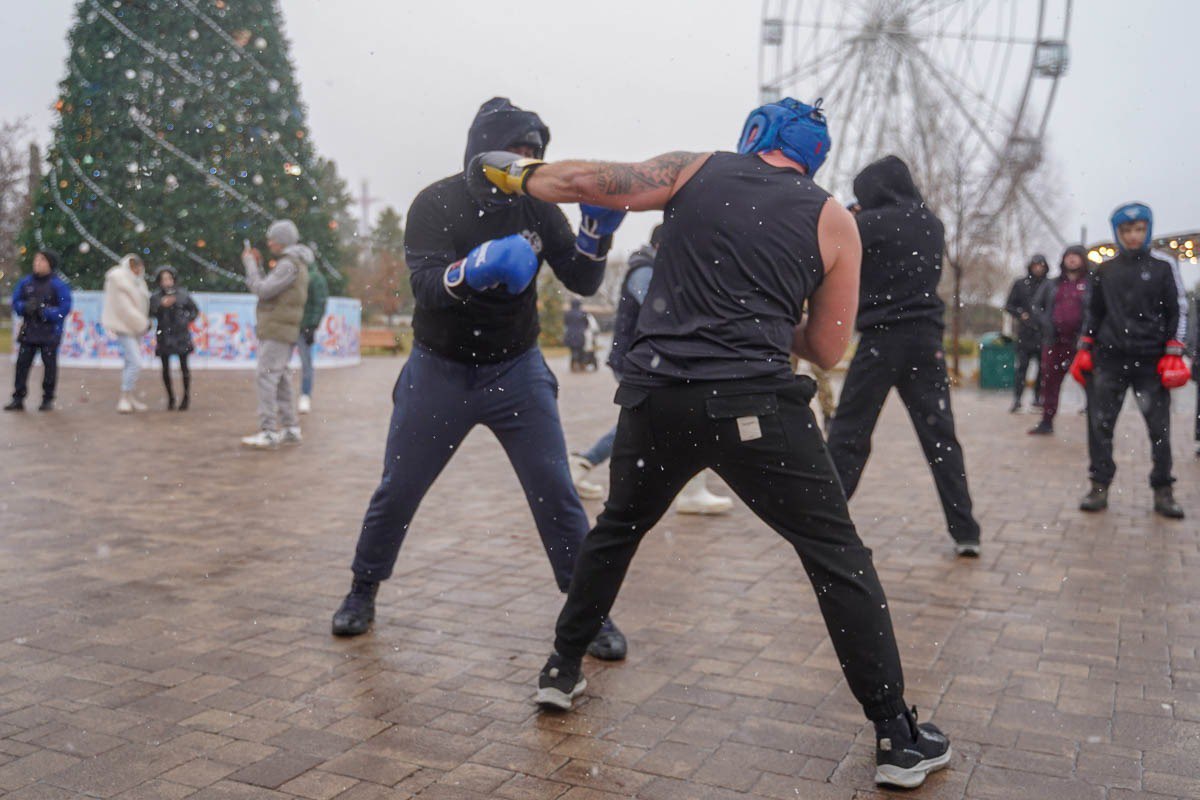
(738, 259)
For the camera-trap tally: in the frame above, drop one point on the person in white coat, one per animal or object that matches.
(126, 315)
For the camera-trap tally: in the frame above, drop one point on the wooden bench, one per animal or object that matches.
(380, 339)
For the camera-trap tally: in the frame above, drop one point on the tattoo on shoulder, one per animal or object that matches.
(653, 174)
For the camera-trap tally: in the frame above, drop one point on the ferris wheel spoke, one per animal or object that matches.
(955, 88)
(790, 76)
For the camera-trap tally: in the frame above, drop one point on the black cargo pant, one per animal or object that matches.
(25, 355)
(1024, 357)
(910, 359)
(1111, 379)
(761, 437)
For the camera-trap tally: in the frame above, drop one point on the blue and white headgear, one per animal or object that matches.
(799, 130)
(1133, 212)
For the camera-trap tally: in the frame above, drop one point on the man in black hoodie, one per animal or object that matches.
(1029, 331)
(1133, 338)
(473, 262)
(900, 317)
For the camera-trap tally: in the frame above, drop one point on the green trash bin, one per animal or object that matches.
(997, 361)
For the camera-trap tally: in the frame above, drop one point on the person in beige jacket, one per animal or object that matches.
(126, 315)
(281, 296)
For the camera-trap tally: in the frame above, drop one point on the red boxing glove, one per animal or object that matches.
(1171, 368)
(1082, 362)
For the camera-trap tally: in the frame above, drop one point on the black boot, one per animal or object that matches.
(183, 402)
(609, 644)
(15, 405)
(1043, 428)
(170, 402)
(1165, 505)
(47, 404)
(906, 752)
(357, 612)
(1096, 499)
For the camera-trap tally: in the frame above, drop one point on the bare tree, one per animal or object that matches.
(15, 181)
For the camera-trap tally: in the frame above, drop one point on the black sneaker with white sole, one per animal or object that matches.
(906, 752)
(560, 683)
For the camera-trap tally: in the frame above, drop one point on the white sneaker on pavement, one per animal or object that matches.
(291, 436)
(697, 499)
(138, 405)
(580, 467)
(123, 405)
(263, 440)
(305, 404)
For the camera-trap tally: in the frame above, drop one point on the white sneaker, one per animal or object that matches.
(305, 404)
(291, 436)
(580, 467)
(697, 499)
(138, 405)
(124, 406)
(263, 440)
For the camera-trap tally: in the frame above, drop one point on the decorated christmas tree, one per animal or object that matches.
(180, 133)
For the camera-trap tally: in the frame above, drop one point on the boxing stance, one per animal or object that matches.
(748, 238)
(473, 261)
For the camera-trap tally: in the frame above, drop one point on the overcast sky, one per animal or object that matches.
(392, 86)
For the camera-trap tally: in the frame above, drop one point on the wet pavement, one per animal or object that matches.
(166, 603)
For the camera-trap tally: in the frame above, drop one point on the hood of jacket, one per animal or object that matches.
(885, 182)
(302, 254)
(1033, 262)
(1078, 250)
(499, 124)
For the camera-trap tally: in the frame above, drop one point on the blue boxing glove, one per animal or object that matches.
(510, 262)
(596, 229)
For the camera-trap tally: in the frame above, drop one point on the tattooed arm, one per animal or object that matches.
(637, 187)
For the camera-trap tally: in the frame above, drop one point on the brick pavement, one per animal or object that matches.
(166, 603)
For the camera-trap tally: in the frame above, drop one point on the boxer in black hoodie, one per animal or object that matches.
(900, 317)
(473, 262)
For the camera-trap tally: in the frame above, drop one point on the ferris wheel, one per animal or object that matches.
(916, 77)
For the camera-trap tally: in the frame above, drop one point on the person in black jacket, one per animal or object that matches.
(900, 317)
(1029, 331)
(42, 300)
(1058, 308)
(575, 324)
(173, 310)
(473, 259)
(1133, 337)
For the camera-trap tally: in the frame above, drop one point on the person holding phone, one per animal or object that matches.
(173, 310)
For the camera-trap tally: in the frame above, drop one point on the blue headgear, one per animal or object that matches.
(799, 130)
(1132, 212)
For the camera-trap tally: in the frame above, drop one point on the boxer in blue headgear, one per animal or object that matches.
(799, 130)
(1133, 212)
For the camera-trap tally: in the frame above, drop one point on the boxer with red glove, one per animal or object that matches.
(1132, 338)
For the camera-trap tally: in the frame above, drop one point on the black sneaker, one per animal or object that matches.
(1096, 499)
(1165, 505)
(1043, 428)
(609, 644)
(968, 549)
(357, 612)
(47, 404)
(560, 683)
(15, 405)
(906, 752)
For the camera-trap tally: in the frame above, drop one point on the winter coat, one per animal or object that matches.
(314, 306)
(281, 293)
(126, 301)
(1020, 306)
(1047, 295)
(903, 244)
(633, 292)
(172, 337)
(42, 303)
(575, 325)
(1137, 305)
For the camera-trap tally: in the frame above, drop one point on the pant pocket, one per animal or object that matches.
(749, 419)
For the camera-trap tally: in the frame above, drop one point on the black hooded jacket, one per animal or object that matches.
(1137, 305)
(1020, 306)
(902, 244)
(445, 224)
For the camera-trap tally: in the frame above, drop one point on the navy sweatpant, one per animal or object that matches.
(436, 402)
